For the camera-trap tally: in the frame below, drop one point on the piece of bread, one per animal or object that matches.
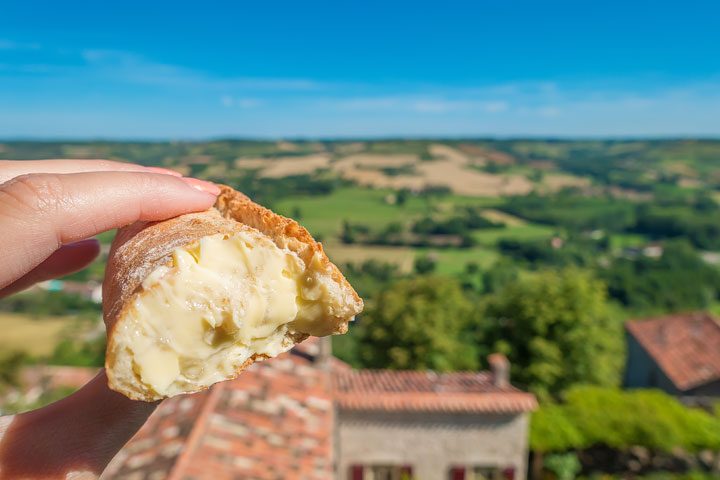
(194, 300)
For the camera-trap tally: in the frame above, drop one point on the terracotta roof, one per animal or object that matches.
(460, 392)
(686, 347)
(276, 420)
(273, 421)
(154, 451)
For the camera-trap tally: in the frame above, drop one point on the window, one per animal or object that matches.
(380, 472)
(481, 473)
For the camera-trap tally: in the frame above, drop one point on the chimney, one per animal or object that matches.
(500, 368)
(324, 353)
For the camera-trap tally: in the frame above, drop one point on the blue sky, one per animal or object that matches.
(353, 69)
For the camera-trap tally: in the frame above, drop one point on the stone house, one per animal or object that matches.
(679, 354)
(307, 415)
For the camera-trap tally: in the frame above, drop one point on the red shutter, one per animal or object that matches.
(356, 472)
(457, 473)
(509, 473)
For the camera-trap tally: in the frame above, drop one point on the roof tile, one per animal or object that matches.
(392, 390)
(685, 346)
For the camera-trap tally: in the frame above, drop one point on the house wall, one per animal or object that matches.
(430, 443)
(641, 371)
(711, 389)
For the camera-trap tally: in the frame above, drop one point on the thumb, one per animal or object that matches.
(41, 212)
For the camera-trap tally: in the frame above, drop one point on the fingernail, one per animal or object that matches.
(164, 171)
(82, 243)
(202, 185)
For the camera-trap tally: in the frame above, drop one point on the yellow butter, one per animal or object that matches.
(222, 300)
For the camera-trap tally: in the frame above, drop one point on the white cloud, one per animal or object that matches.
(414, 103)
(228, 101)
(367, 103)
(548, 111)
(11, 45)
(462, 105)
(133, 68)
(434, 106)
(496, 107)
(316, 108)
(249, 102)
(28, 68)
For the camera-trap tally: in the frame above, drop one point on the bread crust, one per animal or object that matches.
(140, 248)
(287, 233)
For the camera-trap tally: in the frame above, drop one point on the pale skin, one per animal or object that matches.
(49, 212)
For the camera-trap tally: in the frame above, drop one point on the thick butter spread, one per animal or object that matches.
(222, 300)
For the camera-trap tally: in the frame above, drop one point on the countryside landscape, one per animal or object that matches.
(540, 250)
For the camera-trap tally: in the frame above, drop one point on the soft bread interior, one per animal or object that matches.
(218, 303)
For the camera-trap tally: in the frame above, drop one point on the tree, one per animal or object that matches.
(348, 234)
(419, 323)
(500, 275)
(424, 264)
(557, 330)
(401, 197)
(678, 280)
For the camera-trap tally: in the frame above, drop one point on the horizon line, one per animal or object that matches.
(350, 138)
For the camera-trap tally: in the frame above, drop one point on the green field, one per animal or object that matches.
(453, 261)
(341, 254)
(619, 241)
(34, 336)
(323, 215)
(531, 231)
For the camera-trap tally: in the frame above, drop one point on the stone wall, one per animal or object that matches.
(430, 443)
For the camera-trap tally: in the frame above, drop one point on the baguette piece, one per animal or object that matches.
(196, 299)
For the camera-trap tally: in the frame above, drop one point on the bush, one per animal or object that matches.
(552, 430)
(594, 416)
(693, 475)
(565, 466)
(46, 303)
(88, 353)
(10, 367)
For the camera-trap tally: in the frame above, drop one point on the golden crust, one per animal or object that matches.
(142, 247)
(286, 233)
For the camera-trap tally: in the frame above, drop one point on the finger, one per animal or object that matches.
(39, 213)
(14, 168)
(64, 261)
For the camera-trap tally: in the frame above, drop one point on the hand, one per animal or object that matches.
(48, 211)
